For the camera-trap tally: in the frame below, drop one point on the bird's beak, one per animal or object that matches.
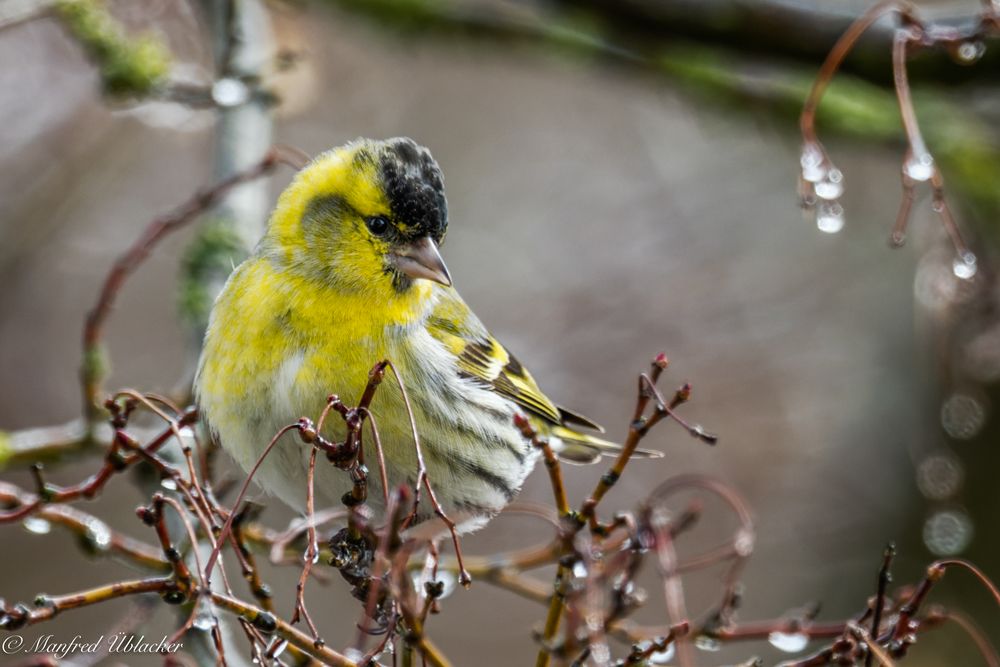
(421, 259)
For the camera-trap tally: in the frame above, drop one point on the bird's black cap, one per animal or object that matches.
(414, 186)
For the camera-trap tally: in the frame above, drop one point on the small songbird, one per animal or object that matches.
(347, 274)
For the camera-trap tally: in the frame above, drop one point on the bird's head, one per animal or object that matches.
(368, 216)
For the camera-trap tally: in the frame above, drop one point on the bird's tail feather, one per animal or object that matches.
(575, 447)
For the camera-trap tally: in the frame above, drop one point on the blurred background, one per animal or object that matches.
(621, 179)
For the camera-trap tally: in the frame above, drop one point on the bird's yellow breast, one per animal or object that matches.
(280, 343)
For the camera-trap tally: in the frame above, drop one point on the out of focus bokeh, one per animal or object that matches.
(621, 179)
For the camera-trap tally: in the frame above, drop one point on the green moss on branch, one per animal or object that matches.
(129, 67)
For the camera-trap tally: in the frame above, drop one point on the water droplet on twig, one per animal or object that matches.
(37, 525)
(919, 167)
(969, 52)
(965, 267)
(831, 187)
(98, 535)
(789, 642)
(830, 217)
(662, 657)
(205, 619)
(815, 166)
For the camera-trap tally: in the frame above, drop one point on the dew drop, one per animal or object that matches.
(830, 217)
(789, 642)
(230, 92)
(948, 532)
(662, 657)
(940, 475)
(98, 535)
(579, 570)
(814, 164)
(706, 643)
(37, 525)
(920, 167)
(168, 483)
(831, 187)
(969, 52)
(205, 620)
(964, 267)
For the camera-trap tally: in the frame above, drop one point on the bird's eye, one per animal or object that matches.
(377, 225)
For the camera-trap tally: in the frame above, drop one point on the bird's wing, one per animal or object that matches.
(483, 358)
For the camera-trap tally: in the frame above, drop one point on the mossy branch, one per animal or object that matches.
(129, 66)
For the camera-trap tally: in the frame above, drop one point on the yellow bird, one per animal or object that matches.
(347, 274)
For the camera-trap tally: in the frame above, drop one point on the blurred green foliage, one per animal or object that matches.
(965, 146)
(129, 67)
(208, 260)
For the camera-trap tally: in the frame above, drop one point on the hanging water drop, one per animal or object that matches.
(789, 642)
(969, 52)
(813, 162)
(205, 619)
(964, 267)
(920, 167)
(37, 525)
(831, 187)
(662, 657)
(830, 217)
(168, 483)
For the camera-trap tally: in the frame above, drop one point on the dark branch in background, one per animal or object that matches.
(778, 30)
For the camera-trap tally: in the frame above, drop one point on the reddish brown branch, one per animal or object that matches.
(92, 373)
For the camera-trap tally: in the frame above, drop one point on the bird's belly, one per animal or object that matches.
(475, 458)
